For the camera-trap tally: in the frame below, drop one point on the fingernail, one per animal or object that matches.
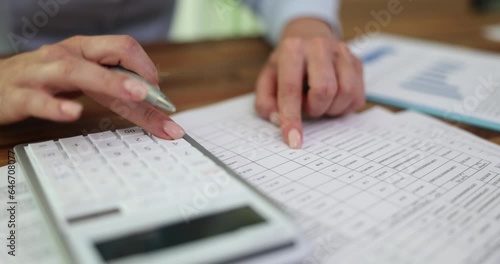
(294, 139)
(137, 89)
(173, 129)
(71, 108)
(274, 117)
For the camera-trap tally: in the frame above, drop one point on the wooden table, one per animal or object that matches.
(207, 72)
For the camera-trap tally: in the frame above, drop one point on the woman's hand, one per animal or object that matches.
(31, 82)
(308, 52)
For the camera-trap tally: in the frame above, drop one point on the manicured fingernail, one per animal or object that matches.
(274, 117)
(71, 108)
(173, 129)
(294, 139)
(137, 89)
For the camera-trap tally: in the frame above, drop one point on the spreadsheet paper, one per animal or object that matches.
(376, 187)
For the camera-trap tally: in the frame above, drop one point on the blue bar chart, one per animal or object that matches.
(435, 80)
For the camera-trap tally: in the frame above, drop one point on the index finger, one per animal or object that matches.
(290, 78)
(116, 50)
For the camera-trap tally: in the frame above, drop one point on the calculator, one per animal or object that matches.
(126, 196)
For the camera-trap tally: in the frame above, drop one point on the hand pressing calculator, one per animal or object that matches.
(126, 196)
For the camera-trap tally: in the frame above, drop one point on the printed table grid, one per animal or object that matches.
(300, 176)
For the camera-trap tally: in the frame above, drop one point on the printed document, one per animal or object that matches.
(447, 81)
(34, 243)
(376, 187)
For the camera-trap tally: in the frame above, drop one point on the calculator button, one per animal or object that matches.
(88, 162)
(138, 140)
(49, 154)
(171, 144)
(58, 170)
(108, 135)
(140, 179)
(110, 144)
(103, 181)
(147, 149)
(130, 132)
(160, 160)
(95, 171)
(77, 146)
(124, 165)
(47, 145)
(118, 154)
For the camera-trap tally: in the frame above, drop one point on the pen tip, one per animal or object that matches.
(164, 103)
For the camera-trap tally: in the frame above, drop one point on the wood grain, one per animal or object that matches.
(208, 72)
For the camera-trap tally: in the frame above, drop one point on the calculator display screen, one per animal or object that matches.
(167, 236)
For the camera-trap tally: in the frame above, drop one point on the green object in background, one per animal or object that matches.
(486, 5)
(213, 19)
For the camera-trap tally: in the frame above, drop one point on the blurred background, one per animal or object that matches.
(213, 19)
(485, 5)
(463, 22)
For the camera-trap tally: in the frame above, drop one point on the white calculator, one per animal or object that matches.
(126, 196)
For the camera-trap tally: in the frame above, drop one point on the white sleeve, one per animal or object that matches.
(277, 13)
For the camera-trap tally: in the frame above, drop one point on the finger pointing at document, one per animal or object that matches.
(308, 54)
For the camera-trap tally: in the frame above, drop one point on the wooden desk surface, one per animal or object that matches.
(207, 72)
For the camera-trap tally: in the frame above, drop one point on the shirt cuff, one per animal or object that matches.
(277, 14)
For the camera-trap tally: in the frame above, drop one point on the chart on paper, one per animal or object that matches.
(389, 189)
(444, 80)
